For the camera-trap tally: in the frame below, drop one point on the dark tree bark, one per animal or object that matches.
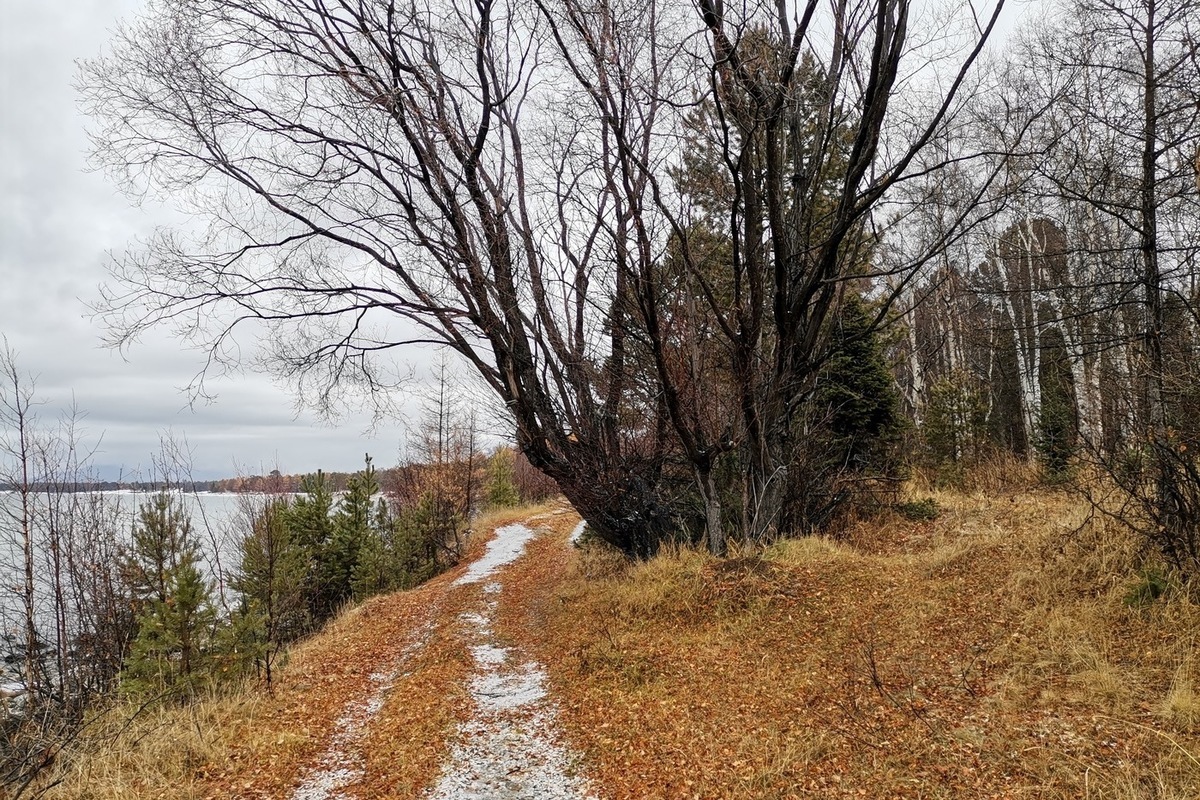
(495, 177)
(799, 128)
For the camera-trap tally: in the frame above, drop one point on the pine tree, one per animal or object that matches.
(176, 618)
(271, 581)
(352, 530)
(162, 538)
(311, 529)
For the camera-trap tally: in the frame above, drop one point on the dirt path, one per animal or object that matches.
(341, 765)
(509, 747)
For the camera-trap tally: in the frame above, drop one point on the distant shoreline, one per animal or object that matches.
(207, 487)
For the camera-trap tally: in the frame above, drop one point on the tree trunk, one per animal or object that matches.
(713, 528)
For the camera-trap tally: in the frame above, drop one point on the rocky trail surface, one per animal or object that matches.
(505, 743)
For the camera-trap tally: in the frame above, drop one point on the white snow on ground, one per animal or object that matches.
(510, 749)
(577, 534)
(341, 764)
(504, 548)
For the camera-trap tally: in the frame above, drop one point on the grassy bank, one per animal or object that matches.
(258, 742)
(1007, 648)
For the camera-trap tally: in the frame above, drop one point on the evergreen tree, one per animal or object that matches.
(381, 564)
(176, 618)
(352, 529)
(501, 487)
(271, 581)
(955, 422)
(311, 531)
(162, 539)
(848, 428)
(1055, 434)
(858, 388)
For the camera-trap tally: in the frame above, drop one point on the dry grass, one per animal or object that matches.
(1181, 707)
(987, 653)
(130, 751)
(999, 473)
(990, 653)
(250, 743)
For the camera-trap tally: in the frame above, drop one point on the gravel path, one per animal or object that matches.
(511, 748)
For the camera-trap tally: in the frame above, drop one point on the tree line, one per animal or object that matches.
(677, 242)
(1066, 326)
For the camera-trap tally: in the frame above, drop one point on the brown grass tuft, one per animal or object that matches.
(132, 751)
(1181, 706)
(988, 654)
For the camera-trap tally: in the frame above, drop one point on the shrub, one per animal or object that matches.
(1151, 583)
(920, 510)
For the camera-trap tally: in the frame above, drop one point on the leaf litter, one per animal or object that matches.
(342, 764)
(509, 748)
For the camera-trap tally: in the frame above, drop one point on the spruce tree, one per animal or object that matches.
(382, 564)
(844, 435)
(858, 388)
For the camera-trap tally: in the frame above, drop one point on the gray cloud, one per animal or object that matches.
(57, 223)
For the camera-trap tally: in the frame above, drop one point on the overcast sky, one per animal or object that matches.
(58, 222)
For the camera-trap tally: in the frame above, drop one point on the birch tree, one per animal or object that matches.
(1130, 111)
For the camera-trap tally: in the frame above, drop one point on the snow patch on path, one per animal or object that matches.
(510, 749)
(342, 762)
(505, 547)
(577, 534)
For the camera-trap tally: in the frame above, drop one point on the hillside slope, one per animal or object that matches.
(407, 695)
(990, 653)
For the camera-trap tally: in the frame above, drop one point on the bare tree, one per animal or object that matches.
(1119, 172)
(19, 446)
(367, 174)
(496, 177)
(443, 472)
(804, 144)
(61, 590)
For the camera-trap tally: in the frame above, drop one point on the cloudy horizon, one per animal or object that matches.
(58, 224)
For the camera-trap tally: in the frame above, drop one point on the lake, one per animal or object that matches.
(217, 522)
